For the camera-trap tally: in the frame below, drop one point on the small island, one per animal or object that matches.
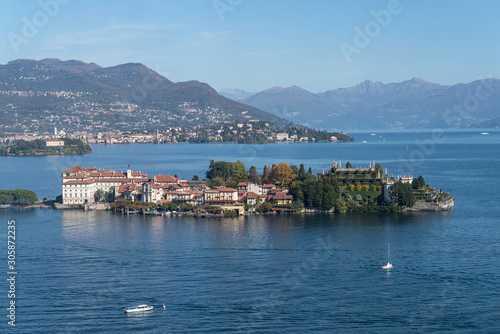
(18, 197)
(230, 189)
(40, 147)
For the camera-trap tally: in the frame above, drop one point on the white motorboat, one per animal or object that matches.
(485, 133)
(138, 308)
(389, 264)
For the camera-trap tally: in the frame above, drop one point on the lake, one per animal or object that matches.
(76, 271)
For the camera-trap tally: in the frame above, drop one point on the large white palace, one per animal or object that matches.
(79, 187)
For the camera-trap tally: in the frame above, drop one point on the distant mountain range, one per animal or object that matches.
(411, 104)
(74, 95)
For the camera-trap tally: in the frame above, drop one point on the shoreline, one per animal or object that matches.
(418, 207)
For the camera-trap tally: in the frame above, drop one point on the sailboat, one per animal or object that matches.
(389, 264)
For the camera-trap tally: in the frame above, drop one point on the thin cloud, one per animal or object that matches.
(112, 34)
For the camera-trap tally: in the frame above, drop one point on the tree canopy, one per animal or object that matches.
(18, 196)
(402, 194)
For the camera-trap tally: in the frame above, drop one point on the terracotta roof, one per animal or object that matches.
(228, 190)
(282, 196)
(252, 195)
(75, 169)
(242, 184)
(268, 186)
(164, 178)
(79, 182)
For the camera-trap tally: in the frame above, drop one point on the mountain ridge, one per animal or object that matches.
(414, 103)
(128, 96)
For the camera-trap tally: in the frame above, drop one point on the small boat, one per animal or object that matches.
(485, 133)
(5, 206)
(372, 134)
(389, 264)
(364, 141)
(138, 308)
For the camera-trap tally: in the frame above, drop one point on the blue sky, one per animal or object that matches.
(256, 44)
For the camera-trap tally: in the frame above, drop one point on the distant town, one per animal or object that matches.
(252, 131)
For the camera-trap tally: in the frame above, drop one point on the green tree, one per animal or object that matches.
(110, 195)
(415, 184)
(302, 173)
(348, 165)
(195, 178)
(310, 175)
(254, 176)
(421, 182)
(99, 195)
(402, 194)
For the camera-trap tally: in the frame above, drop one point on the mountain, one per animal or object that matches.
(74, 95)
(295, 104)
(235, 94)
(414, 103)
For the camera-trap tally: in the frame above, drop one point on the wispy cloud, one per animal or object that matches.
(55, 48)
(112, 34)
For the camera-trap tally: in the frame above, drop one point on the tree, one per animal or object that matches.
(254, 176)
(421, 182)
(310, 175)
(348, 165)
(110, 195)
(282, 173)
(264, 174)
(415, 184)
(195, 178)
(402, 194)
(329, 197)
(302, 173)
(99, 195)
(215, 182)
(227, 170)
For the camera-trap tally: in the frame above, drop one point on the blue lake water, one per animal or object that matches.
(265, 274)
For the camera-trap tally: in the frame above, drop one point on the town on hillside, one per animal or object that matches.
(244, 132)
(229, 187)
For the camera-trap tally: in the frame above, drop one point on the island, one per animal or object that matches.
(229, 189)
(18, 197)
(40, 147)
